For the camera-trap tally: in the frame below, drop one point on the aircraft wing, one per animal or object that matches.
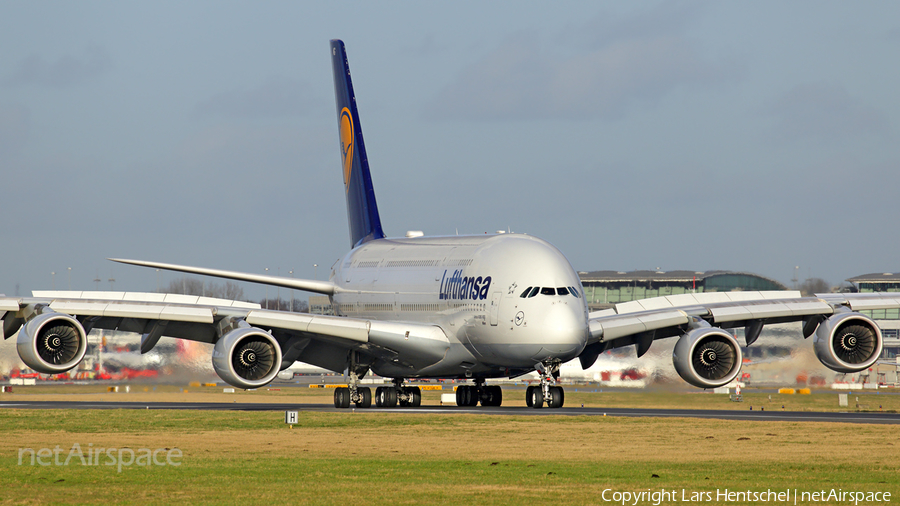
(309, 285)
(278, 337)
(694, 316)
(725, 310)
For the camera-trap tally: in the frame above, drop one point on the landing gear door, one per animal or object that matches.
(495, 307)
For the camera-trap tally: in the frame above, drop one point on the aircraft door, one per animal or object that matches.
(495, 307)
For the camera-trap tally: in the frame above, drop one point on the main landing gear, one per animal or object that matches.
(353, 393)
(471, 395)
(388, 397)
(385, 397)
(554, 396)
(360, 396)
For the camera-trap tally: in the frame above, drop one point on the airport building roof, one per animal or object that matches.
(741, 280)
(877, 282)
(877, 277)
(656, 275)
(604, 288)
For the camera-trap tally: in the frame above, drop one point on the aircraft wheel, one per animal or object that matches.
(462, 392)
(496, 395)
(415, 397)
(537, 398)
(484, 397)
(557, 397)
(492, 396)
(473, 396)
(365, 397)
(392, 396)
(387, 397)
(528, 396)
(342, 397)
(466, 395)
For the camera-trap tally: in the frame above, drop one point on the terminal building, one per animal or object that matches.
(603, 289)
(888, 319)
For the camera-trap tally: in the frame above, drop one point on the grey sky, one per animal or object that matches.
(693, 135)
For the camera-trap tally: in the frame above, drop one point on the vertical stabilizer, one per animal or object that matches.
(362, 211)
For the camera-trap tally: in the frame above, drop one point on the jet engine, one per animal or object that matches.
(848, 342)
(707, 357)
(52, 343)
(247, 357)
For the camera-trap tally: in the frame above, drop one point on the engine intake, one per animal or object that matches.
(707, 357)
(848, 342)
(52, 343)
(247, 357)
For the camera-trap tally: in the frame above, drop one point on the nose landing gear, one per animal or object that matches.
(547, 392)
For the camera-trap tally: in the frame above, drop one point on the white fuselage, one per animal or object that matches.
(471, 287)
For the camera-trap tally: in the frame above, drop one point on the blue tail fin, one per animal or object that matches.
(362, 211)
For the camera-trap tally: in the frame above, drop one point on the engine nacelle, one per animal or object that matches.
(848, 342)
(52, 343)
(707, 357)
(247, 357)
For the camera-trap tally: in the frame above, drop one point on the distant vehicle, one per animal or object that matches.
(24, 374)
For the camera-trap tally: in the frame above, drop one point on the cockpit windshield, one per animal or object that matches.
(531, 291)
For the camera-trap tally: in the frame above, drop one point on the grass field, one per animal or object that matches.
(380, 458)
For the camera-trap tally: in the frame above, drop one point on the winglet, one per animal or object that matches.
(362, 210)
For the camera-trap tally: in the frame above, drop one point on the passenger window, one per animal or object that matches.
(525, 293)
(534, 291)
(548, 291)
(562, 290)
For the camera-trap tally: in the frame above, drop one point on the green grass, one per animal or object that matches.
(381, 458)
(258, 480)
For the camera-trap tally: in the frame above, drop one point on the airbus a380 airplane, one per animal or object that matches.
(472, 307)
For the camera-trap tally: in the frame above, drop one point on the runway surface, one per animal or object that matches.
(758, 415)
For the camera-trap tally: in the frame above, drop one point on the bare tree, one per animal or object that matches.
(300, 306)
(231, 291)
(193, 286)
(846, 287)
(812, 286)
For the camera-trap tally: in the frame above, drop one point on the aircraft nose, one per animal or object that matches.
(565, 331)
